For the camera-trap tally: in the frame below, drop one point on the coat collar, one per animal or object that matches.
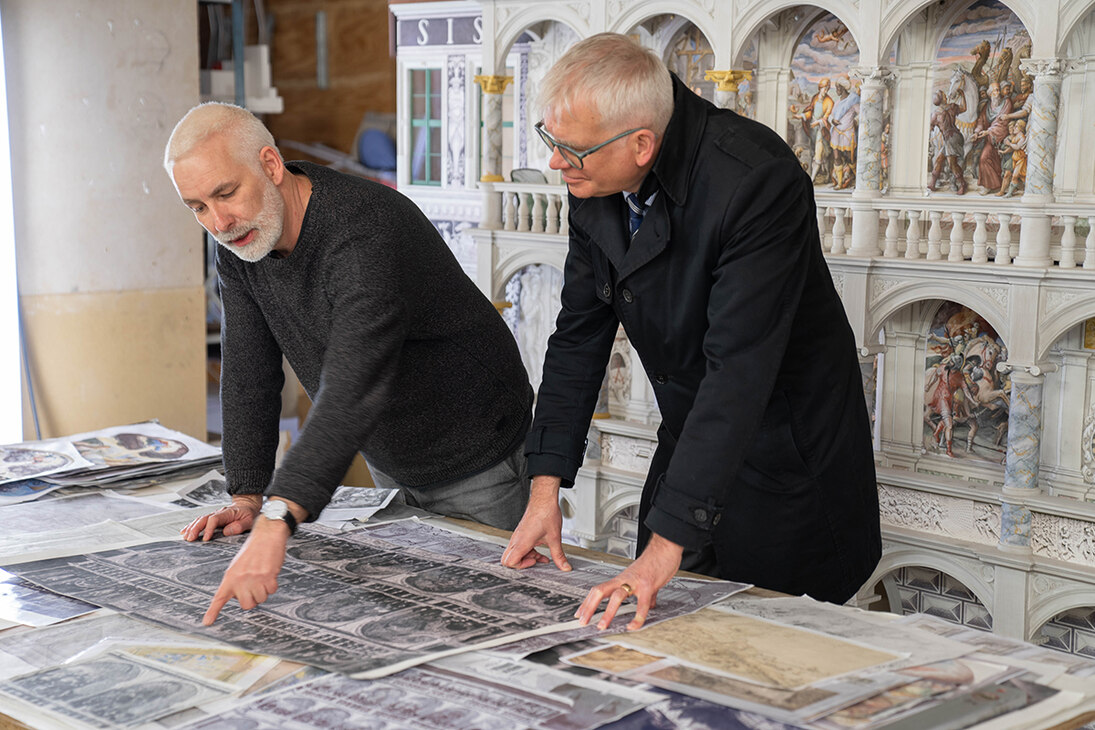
(681, 144)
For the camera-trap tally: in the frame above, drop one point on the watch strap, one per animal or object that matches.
(281, 512)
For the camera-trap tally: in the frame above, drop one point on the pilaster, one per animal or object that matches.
(493, 87)
(868, 182)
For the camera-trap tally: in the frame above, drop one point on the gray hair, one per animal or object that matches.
(626, 84)
(248, 134)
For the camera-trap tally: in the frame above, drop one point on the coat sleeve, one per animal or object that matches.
(574, 368)
(756, 285)
(251, 382)
(368, 328)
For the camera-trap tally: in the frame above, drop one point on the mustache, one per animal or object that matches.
(229, 236)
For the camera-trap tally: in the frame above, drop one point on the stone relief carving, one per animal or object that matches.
(534, 294)
(582, 9)
(959, 518)
(1057, 298)
(838, 282)
(998, 294)
(987, 521)
(456, 89)
(906, 508)
(1043, 584)
(880, 286)
(619, 372)
(1062, 538)
(625, 452)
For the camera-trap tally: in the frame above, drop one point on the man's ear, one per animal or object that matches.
(272, 164)
(645, 145)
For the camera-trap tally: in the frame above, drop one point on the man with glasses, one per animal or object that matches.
(696, 229)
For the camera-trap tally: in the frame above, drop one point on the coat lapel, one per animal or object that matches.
(604, 221)
(651, 240)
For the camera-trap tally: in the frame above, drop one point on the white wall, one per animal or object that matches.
(110, 263)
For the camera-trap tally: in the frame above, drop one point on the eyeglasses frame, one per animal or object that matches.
(554, 144)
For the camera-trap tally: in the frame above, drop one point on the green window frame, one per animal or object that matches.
(426, 140)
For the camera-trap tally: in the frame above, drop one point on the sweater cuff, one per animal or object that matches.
(248, 481)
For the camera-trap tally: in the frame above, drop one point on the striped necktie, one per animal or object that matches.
(635, 212)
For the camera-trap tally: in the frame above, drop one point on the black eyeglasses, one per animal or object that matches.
(572, 156)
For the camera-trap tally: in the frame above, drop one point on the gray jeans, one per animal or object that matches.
(495, 497)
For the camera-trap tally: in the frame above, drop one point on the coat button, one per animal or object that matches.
(627, 296)
(700, 514)
(607, 291)
(661, 378)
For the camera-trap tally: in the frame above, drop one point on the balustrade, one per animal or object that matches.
(936, 229)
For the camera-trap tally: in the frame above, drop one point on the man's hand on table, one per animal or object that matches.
(252, 576)
(234, 519)
(542, 524)
(642, 579)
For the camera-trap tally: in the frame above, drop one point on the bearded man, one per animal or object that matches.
(404, 359)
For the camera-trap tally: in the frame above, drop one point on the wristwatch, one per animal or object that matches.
(275, 509)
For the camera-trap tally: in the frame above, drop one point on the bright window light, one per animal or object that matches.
(11, 404)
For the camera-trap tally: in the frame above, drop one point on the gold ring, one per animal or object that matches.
(627, 589)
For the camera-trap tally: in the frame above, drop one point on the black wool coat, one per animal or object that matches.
(764, 451)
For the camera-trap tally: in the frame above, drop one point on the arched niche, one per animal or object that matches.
(895, 559)
(981, 103)
(823, 102)
(965, 397)
(754, 18)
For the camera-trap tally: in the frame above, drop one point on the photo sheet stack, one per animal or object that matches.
(119, 457)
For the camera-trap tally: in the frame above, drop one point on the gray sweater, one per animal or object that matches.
(403, 357)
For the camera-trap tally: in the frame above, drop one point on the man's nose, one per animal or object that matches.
(557, 161)
(222, 220)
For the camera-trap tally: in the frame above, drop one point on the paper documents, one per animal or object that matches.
(348, 602)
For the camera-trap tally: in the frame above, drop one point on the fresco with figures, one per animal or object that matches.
(981, 103)
(966, 401)
(823, 103)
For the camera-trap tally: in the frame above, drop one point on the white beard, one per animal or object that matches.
(267, 226)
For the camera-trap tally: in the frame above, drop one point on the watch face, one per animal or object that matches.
(275, 510)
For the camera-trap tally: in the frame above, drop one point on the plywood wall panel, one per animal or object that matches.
(361, 74)
(110, 358)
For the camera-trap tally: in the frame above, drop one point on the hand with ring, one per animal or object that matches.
(642, 579)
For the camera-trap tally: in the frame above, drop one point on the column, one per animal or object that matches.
(493, 87)
(1034, 232)
(726, 86)
(1023, 454)
(868, 176)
